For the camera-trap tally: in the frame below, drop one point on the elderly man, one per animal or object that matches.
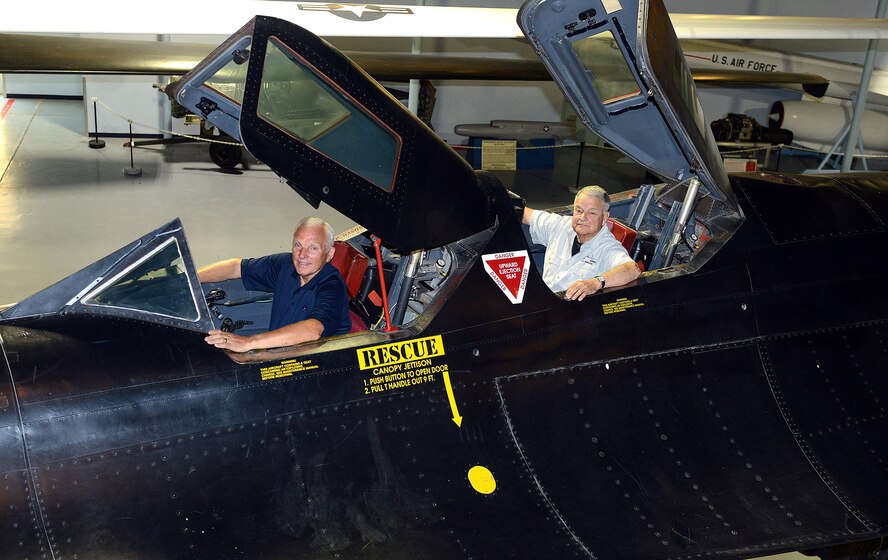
(582, 256)
(310, 297)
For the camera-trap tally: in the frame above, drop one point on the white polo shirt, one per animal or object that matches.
(598, 255)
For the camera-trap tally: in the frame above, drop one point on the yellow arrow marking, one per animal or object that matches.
(457, 419)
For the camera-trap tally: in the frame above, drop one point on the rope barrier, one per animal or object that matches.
(801, 149)
(170, 132)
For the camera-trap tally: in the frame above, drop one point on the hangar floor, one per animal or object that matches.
(63, 205)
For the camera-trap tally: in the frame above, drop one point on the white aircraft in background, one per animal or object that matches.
(816, 121)
(702, 35)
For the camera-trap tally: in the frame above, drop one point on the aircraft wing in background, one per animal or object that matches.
(38, 54)
(44, 54)
(843, 77)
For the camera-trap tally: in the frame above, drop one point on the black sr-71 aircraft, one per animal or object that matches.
(730, 403)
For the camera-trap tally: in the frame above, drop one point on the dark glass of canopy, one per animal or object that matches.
(297, 100)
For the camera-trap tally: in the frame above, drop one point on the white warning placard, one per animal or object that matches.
(499, 155)
(509, 270)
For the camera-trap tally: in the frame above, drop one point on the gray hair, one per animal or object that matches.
(314, 222)
(596, 192)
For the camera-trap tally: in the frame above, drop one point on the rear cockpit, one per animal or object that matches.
(622, 69)
(675, 224)
(659, 236)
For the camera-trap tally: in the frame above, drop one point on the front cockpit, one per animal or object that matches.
(388, 291)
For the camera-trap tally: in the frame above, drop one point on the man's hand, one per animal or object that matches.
(582, 288)
(229, 341)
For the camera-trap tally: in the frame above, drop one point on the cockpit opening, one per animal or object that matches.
(650, 224)
(413, 283)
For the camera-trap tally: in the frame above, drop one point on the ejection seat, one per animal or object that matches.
(626, 236)
(623, 233)
(352, 264)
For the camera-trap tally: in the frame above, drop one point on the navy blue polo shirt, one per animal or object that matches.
(324, 298)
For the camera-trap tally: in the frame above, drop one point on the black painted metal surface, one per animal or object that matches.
(737, 412)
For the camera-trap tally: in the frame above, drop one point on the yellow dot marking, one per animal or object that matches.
(482, 480)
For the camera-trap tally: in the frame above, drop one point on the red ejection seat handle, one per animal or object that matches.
(385, 301)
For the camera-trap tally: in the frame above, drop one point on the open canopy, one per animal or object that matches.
(335, 135)
(620, 65)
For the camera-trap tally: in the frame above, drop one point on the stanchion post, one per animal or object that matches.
(132, 169)
(95, 143)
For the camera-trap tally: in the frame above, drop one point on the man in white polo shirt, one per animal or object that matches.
(582, 255)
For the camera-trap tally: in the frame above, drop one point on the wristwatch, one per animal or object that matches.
(600, 278)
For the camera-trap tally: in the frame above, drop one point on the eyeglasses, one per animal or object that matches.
(579, 211)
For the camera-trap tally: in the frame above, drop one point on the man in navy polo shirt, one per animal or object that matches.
(310, 298)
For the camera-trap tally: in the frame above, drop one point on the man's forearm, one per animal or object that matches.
(303, 331)
(621, 274)
(219, 271)
(525, 216)
(617, 276)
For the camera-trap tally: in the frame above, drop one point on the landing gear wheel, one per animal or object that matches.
(225, 156)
